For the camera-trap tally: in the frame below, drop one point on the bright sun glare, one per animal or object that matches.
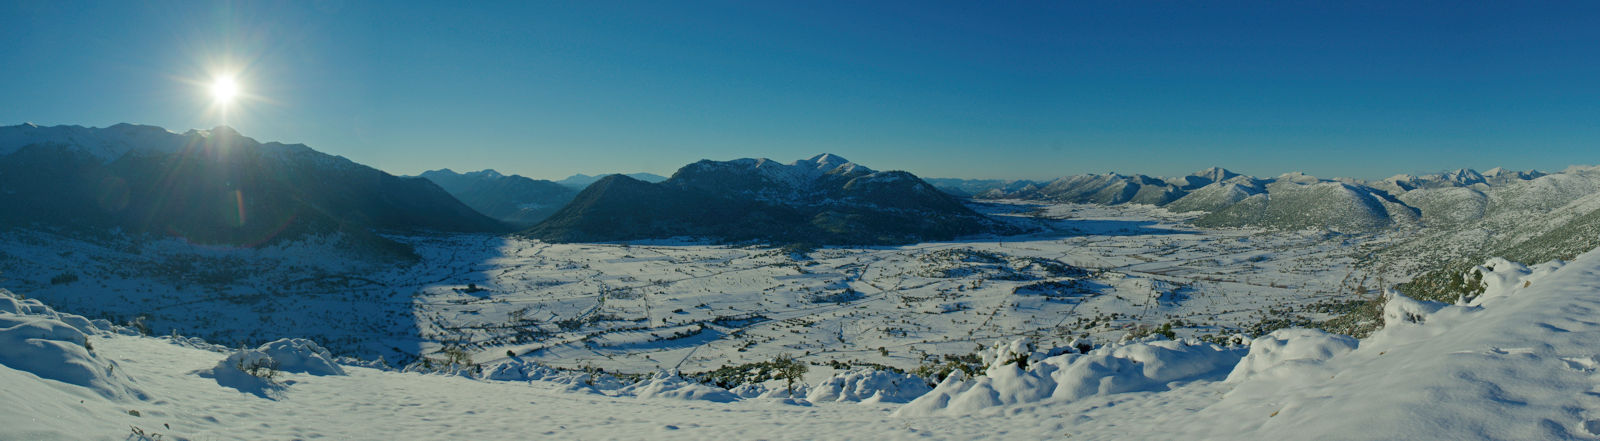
(224, 89)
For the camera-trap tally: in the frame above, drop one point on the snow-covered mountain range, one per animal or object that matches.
(212, 187)
(824, 199)
(1293, 200)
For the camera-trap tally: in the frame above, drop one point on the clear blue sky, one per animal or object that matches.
(965, 89)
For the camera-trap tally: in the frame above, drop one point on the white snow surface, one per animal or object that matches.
(298, 355)
(1519, 362)
(1286, 349)
(1139, 366)
(672, 386)
(867, 385)
(49, 350)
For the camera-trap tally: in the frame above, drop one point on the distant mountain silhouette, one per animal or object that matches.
(822, 200)
(580, 181)
(515, 200)
(212, 187)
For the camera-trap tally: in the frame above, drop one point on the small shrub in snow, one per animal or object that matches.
(1015, 376)
(1402, 310)
(63, 279)
(262, 367)
(302, 356)
(938, 370)
(729, 377)
(1449, 285)
(1357, 318)
(255, 371)
(456, 356)
(138, 325)
(869, 386)
(790, 371)
(672, 386)
(1143, 330)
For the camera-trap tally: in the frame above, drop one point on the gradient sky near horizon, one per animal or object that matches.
(942, 89)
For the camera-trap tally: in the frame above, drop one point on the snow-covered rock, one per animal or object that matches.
(773, 390)
(869, 386)
(672, 386)
(249, 371)
(255, 370)
(1401, 310)
(1288, 348)
(1136, 366)
(518, 370)
(301, 355)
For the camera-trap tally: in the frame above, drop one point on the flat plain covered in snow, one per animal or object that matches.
(1095, 272)
(1518, 362)
(1102, 272)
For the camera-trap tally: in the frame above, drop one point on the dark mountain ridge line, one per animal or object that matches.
(516, 200)
(214, 188)
(822, 200)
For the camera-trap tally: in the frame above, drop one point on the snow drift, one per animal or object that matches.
(1517, 362)
(672, 386)
(55, 346)
(255, 371)
(869, 386)
(1018, 374)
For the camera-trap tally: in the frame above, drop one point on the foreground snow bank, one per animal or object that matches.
(1017, 374)
(1520, 361)
(54, 350)
(55, 346)
(1517, 362)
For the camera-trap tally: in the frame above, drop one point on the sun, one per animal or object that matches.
(224, 90)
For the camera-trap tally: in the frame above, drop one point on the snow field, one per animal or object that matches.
(1518, 362)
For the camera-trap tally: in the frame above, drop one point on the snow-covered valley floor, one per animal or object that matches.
(1518, 362)
(541, 325)
(1098, 273)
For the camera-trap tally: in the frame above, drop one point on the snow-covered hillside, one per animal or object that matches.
(1519, 362)
(1295, 200)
